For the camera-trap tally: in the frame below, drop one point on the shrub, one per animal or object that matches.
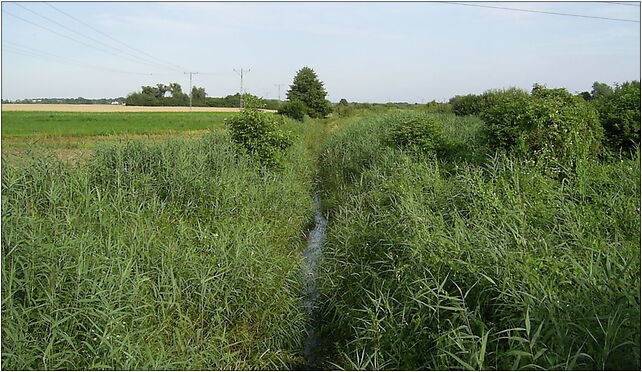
(620, 116)
(505, 119)
(345, 111)
(473, 104)
(259, 134)
(549, 125)
(470, 104)
(434, 107)
(420, 133)
(294, 109)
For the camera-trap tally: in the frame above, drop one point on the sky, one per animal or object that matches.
(362, 51)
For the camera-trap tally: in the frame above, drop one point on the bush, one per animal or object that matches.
(419, 133)
(620, 116)
(294, 109)
(473, 104)
(505, 119)
(551, 125)
(259, 134)
(470, 104)
(345, 110)
(434, 107)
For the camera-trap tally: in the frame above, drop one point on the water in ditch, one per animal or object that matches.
(311, 257)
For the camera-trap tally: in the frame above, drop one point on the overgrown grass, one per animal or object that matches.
(473, 260)
(33, 124)
(174, 255)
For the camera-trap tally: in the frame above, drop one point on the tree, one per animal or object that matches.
(198, 94)
(585, 95)
(155, 92)
(175, 89)
(343, 102)
(601, 90)
(308, 89)
(620, 116)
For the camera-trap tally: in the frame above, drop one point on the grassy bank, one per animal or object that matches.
(172, 255)
(476, 260)
(77, 124)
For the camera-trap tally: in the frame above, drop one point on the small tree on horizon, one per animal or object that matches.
(308, 89)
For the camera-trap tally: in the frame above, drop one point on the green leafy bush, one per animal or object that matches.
(505, 119)
(470, 104)
(345, 110)
(434, 107)
(420, 133)
(294, 109)
(474, 104)
(259, 134)
(551, 125)
(620, 116)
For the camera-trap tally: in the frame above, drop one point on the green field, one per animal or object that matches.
(77, 124)
(186, 253)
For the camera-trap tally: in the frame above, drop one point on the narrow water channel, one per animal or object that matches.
(312, 255)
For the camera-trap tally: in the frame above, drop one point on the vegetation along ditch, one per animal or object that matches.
(376, 238)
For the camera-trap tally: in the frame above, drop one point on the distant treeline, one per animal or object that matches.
(172, 95)
(345, 108)
(76, 101)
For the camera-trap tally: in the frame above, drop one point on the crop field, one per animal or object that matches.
(110, 108)
(179, 243)
(78, 124)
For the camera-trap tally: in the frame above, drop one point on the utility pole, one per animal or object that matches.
(279, 86)
(190, 87)
(240, 72)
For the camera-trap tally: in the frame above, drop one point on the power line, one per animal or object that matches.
(541, 12)
(16, 48)
(134, 59)
(58, 33)
(114, 39)
(619, 3)
(43, 54)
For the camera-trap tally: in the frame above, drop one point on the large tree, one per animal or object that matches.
(308, 89)
(601, 90)
(198, 94)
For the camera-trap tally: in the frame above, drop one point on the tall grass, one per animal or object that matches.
(466, 259)
(179, 255)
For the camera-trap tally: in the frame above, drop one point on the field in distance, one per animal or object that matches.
(78, 124)
(72, 135)
(113, 108)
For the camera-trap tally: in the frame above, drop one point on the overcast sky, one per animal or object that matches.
(367, 52)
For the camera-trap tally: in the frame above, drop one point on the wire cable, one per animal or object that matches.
(619, 3)
(134, 59)
(540, 11)
(47, 56)
(114, 39)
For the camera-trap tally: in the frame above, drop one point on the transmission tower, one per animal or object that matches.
(240, 72)
(279, 86)
(190, 87)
